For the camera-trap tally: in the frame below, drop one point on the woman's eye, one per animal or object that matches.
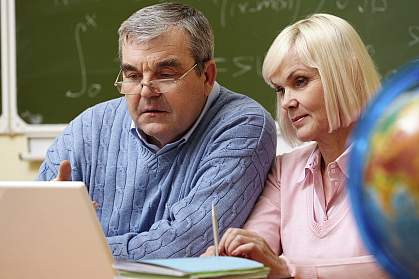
(280, 90)
(301, 82)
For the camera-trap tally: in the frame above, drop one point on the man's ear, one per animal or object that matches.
(210, 73)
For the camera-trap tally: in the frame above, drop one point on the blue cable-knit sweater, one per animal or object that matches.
(158, 204)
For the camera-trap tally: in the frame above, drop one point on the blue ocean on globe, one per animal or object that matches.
(384, 174)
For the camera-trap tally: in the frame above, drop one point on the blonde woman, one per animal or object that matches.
(302, 225)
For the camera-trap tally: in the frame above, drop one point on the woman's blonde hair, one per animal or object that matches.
(332, 46)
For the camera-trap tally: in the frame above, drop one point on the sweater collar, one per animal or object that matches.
(215, 91)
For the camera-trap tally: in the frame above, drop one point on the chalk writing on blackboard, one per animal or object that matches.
(94, 88)
(414, 34)
(239, 65)
(32, 118)
(230, 9)
(342, 4)
(373, 6)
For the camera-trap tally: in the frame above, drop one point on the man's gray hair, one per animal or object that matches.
(152, 21)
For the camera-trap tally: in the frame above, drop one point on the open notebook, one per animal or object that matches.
(50, 230)
(194, 267)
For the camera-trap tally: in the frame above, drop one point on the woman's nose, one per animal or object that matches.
(288, 100)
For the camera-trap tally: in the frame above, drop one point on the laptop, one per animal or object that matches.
(50, 230)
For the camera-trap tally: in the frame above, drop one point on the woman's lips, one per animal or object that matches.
(297, 120)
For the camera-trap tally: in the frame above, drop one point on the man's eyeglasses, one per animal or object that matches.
(134, 87)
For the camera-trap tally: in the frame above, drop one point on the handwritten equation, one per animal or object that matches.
(91, 89)
(230, 9)
(414, 35)
(238, 66)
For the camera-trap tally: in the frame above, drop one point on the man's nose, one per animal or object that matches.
(147, 90)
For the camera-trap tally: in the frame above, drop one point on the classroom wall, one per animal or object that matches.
(11, 167)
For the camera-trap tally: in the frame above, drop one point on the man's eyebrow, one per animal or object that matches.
(168, 63)
(173, 62)
(128, 67)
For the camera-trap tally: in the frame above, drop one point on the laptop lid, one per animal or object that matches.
(50, 230)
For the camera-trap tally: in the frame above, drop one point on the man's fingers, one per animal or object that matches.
(95, 205)
(64, 172)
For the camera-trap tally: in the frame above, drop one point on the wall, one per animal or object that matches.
(11, 167)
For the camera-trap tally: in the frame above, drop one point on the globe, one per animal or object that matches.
(384, 174)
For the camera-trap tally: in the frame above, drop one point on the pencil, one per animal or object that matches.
(214, 227)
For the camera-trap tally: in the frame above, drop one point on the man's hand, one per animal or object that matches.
(64, 172)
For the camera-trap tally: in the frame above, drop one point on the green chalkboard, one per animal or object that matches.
(67, 49)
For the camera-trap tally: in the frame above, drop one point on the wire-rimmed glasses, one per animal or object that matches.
(134, 87)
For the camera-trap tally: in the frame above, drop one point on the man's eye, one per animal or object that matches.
(166, 75)
(132, 77)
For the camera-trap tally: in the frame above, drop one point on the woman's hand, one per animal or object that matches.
(247, 244)
(210, 251)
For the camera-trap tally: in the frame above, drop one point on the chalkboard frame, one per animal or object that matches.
(38, 137)
(16, 124)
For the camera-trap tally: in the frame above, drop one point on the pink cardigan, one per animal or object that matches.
(316, 240)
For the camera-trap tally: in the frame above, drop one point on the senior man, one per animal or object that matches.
(156, 159)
